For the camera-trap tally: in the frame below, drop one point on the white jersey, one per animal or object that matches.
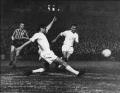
(70, 37)
(44, 47)
(42, 41)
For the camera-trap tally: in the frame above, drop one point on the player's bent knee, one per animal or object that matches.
(12, 48)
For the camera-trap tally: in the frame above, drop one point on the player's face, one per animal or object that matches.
(21, 26)
(73, 28)
(42, 30)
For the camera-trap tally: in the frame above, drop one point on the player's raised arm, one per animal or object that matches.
(58, 36)
(50, 25)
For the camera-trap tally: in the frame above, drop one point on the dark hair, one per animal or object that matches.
(21, 23)
(74, 25)
(42, 26)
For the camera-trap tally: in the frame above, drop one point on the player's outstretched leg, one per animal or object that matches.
(40, 70)
(65, 58)
(69, 68)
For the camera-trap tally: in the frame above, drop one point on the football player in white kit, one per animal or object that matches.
(70, 37)
(45, 52)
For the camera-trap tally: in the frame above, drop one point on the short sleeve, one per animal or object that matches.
(63, 33)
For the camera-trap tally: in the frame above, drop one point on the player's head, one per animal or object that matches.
(21, 25)
(73, 27)
(42, 28)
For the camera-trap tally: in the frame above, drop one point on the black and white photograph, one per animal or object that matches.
(60, 46)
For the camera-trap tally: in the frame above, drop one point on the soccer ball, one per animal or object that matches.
(106, 52)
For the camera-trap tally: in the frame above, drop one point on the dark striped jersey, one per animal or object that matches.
(20, 34)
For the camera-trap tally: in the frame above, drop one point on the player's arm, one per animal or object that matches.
(25, 44)
(13, 35)
(77, 38)
(50, 25)
(22, 46)
(26, 35)
(34, 37)
(54, 40)
(58, 36)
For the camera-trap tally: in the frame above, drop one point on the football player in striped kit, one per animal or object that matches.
(19, 37)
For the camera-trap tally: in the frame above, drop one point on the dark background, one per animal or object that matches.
(99, 25)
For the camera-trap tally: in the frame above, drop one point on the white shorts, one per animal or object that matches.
(66, 48)
(48, 56)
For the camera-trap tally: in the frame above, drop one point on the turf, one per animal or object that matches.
(101, 77)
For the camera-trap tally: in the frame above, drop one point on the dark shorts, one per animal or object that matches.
(18, 42)
(44, 64)
(47, 66)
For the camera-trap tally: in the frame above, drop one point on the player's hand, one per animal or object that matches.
(53, 41)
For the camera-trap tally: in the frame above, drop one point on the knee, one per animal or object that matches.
(12, 48)
(60, 61)
(64, 64)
